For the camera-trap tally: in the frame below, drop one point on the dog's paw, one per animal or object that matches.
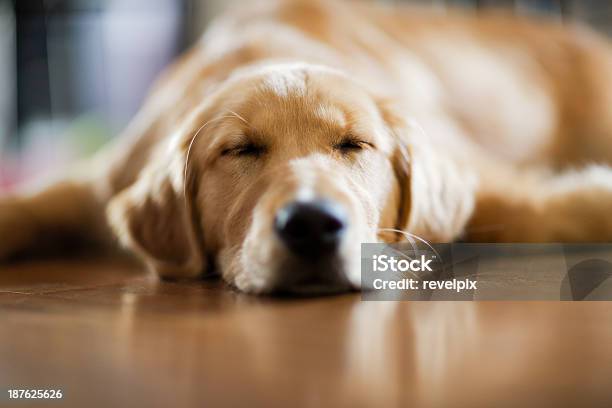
(16, 228)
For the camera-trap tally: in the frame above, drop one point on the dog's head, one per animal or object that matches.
(279, 177)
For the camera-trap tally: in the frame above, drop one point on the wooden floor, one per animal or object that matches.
(109, 335)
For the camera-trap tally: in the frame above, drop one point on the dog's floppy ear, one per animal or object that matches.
(155, 218)
(436, 193)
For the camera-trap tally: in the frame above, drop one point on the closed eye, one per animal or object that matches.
(351, 145)
(244, 150)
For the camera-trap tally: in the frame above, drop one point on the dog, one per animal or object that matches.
(295, 130)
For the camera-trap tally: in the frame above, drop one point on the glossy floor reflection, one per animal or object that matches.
(109, 335)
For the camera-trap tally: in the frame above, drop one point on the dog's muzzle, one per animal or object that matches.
(312, 231)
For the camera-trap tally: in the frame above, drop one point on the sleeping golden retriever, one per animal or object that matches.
(296, 130)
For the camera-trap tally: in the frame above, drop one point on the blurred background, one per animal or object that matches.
(73, 72)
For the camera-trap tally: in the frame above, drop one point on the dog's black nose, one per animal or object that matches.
(311, 228)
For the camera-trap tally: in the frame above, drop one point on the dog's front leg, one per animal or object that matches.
(46, 217)
(572, 207)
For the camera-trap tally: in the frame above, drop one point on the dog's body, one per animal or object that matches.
(483, 129)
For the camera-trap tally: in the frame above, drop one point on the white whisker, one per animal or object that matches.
(193, 139)
(409, 235)
(239, 117)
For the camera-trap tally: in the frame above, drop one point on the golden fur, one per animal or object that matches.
(489, 128)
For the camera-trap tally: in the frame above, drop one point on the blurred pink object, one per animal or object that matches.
(42, 157)
(9, 172)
